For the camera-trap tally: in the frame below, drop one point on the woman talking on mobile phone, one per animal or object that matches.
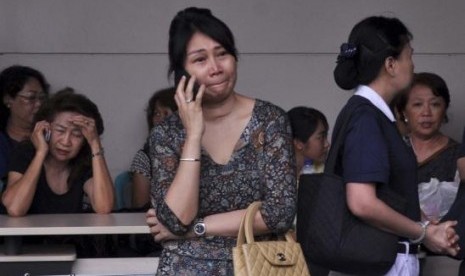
(220, 152)
(66, 174)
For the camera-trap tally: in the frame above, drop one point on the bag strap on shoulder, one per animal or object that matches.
(340, 134)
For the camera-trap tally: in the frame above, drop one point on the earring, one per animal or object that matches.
(405, 119)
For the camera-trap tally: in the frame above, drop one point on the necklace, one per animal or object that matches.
(432, 148)
(412, 145)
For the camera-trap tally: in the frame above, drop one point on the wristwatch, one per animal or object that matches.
(199, 228)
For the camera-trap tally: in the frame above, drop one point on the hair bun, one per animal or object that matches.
(345, 73)
(195, 11)
(348, 51)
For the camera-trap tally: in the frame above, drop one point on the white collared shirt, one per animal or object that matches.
(371, 95)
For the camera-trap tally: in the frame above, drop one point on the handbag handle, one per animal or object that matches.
(245, 233)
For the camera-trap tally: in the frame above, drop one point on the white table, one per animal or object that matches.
(73, 224)
(13, 228)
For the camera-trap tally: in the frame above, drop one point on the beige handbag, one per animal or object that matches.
(270, 258)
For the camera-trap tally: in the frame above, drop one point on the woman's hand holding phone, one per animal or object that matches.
(178, 75)
(39, 136)
(190, 108)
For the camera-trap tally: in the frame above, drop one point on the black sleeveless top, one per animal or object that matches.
(45, 200)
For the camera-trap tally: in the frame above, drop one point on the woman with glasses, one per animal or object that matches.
(23, 89)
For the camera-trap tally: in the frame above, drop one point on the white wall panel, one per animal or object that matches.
(115, 52)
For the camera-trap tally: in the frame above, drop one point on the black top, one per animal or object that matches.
(45, 200)
(6, 146)
(374, 152)
(442, 165)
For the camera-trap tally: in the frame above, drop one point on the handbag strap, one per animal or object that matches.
(340, 135)
(246, 229)
(245, 233)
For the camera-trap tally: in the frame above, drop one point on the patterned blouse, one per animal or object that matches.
(141, 163)
(262, 167)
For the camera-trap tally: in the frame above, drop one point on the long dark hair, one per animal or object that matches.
(67, 100)
(371, 41)
(185, 24)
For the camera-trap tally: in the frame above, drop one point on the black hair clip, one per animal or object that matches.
(348, 51)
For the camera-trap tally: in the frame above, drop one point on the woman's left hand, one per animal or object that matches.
(88, 128)
(159, 232)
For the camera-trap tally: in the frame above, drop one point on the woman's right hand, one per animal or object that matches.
(38, 136)
(190, 110)
(442, 238)
(159, 232)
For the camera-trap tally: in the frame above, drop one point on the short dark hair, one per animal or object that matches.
(434, 82)
(372, 40)
(165, 97)
(304, 121)
(12, 80)
(67, 100)
(192, 20)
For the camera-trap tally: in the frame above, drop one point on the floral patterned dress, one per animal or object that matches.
(262, 167)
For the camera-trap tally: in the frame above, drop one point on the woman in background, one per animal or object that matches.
(424, 110)
(160, 106)
(23, 90)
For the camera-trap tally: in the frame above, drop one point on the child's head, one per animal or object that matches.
(310, 133)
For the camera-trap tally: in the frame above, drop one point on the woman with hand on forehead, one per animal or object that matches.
(62, 163)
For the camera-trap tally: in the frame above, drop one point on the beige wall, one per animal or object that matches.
(115, 51)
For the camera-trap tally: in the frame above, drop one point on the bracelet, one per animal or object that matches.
(424, 225)
(101, 152)
(190, 159)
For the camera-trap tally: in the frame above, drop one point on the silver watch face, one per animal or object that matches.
(199, 229)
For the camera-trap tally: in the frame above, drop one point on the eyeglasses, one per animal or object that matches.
(32, 99)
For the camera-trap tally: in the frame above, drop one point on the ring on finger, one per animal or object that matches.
(189, 100)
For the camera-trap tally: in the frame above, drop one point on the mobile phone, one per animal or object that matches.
(177, 78)
(47, 135)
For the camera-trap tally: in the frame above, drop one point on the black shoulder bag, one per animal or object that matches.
(330, 235)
